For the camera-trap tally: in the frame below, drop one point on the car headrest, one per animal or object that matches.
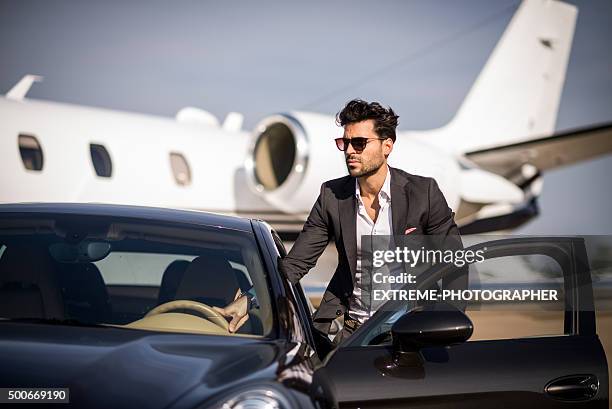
(27, 264)
(171, 279)
(30, 266)
(85, 294)
(209, 279)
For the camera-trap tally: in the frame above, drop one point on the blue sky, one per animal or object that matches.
(257, 58)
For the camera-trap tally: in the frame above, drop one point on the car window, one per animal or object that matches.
(130, 274)
(517, 319)
(499, 312)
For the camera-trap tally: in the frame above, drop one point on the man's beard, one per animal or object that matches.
(367, 169)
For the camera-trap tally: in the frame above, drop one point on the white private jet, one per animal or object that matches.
(488, 160)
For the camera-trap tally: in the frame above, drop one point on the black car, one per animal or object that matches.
(114, 303)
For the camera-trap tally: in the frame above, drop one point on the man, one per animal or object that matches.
(374, 199)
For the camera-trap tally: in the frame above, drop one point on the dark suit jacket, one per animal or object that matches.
(416, 201)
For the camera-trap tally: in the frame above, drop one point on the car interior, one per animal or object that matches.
(149, 283)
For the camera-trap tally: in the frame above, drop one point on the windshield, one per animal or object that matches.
(132, 274)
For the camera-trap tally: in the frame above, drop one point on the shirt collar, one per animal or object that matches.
(385, 190)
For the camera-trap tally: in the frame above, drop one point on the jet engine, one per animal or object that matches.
(290, 155)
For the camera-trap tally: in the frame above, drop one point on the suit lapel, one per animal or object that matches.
(399, 203)
(348, 224)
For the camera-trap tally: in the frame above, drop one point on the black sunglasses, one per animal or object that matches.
(358, 143)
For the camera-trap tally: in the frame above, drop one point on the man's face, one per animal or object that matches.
(368, 161)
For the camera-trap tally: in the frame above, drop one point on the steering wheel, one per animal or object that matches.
(204, 309)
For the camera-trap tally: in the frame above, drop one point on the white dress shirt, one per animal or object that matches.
(359, 308)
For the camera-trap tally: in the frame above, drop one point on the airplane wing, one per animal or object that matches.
(561, 149)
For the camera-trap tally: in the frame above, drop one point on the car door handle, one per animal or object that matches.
(573, 387)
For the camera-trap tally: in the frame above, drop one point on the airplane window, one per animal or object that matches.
(180, 169)
(31, 152)
(101, 160)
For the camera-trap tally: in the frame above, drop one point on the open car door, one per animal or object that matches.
(529, 355)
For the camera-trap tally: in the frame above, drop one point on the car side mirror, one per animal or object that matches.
(428, 326)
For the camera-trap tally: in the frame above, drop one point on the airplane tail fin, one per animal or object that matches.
(516, 95)
(19, 90)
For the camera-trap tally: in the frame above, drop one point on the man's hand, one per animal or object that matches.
(237, 311)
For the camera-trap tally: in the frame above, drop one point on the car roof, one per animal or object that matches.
(133, 212)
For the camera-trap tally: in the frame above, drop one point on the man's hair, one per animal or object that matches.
(357, 110)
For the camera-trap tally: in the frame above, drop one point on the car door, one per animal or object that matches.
(546, 366)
